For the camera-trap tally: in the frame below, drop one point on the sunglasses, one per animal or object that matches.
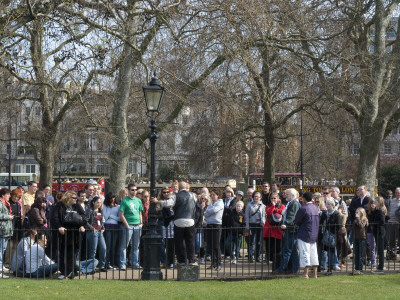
(133, 189)
(202, 199)
(325, 193)
(75, 198)
(165, 192)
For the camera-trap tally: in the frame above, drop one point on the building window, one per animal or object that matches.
(387, 149)
(18, 168)
(30, 169)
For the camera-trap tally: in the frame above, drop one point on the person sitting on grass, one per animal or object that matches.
(38, 264)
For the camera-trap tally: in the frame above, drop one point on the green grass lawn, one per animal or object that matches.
(326, 287)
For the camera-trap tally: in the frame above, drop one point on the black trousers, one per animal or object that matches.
(184, 243)
(214, 239)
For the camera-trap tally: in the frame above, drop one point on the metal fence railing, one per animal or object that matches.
(222, 253)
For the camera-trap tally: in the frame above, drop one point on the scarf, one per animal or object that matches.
(6, 204)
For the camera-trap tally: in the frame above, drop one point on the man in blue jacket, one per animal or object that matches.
(307, 218)
(290, 256)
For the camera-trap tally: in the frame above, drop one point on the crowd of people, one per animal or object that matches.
(86, 232)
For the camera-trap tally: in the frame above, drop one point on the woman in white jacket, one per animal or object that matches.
(213, 215)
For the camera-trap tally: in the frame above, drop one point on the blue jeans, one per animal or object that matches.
(233, 244)
(359, 253)
(256, 240)
(87, 266)
(289, 252)
(322, 257)
(198, 242)
(3, 247)
(133, 232)
(94, 239)
(112, 245)
(45, 271)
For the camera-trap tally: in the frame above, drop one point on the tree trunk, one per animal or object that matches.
(120, 151)
(46, 162)
(269, 151)
(371, 138)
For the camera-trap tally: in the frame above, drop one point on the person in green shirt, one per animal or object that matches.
(131, 216)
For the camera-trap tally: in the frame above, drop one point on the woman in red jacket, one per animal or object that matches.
(273, 231)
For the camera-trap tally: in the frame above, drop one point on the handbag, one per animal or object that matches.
(72, 218)
(329, 239)
(275, 219)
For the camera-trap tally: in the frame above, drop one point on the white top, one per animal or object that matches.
(111, 215)
(35, 257)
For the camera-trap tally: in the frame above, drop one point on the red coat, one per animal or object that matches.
(272, 231)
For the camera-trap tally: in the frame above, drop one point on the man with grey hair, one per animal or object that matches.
(393, 226)
(290, 256)
(250, 192)
(338, 200)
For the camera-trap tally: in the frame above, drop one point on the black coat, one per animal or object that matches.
(378, 223)
(57, 219)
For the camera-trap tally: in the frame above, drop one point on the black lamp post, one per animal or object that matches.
(153, 94)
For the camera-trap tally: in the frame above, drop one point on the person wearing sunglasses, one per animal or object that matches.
(183, 204)
(68, 234)
(131, 210)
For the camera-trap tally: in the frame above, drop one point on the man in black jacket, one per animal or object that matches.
(184, 206)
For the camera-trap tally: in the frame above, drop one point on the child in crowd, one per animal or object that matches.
(359, 232)
(234, 239)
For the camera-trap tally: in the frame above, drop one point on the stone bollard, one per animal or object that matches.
(188, 273)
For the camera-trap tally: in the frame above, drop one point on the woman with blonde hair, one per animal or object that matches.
(69, 229)
(359, 231)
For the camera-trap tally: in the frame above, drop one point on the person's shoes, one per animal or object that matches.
(61, 277)
(341, 265)
(111, 268)
(336, 268)
(218, 268)
(71, 275)
(208, 258)
(182, 264)
(357, 272)
(163, 266)
(4, 269)
(202, 261)
(377, 271)
(3, 276)
(123, 268)
(259, 259)
(103, 270)
(251, 260)
(137, 267)
(233, 261)
(171, 266)
(210, 267)
(368, 263)
(329, 273)
(194, 263)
